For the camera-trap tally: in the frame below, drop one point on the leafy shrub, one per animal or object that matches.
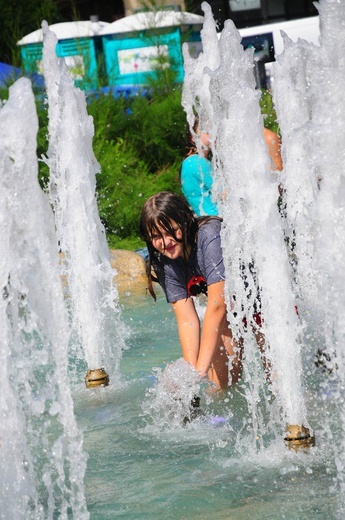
(268, 110)
(42, 143)
(123, 186)
(155, 127)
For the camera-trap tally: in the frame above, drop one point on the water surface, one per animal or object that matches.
(208, 468)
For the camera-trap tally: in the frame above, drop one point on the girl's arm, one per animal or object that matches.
(188, 328)
(274, 146)
(212, 328)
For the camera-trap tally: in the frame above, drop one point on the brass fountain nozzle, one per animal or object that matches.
(96, 377)
(298, 437)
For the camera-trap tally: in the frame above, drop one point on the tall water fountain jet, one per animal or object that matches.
(93, 296)
(196, 96)
(247, 194)
(318, 186)
(42, 464)
(300, 178)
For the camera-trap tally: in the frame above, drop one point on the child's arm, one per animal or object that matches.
(274, 146)
(188, 328)
(212, 326)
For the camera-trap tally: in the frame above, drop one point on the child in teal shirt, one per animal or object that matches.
(196, 177)
(196, 182)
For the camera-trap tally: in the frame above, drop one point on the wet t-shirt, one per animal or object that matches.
(205, 260)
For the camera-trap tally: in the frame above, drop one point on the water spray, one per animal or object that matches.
(95, 315)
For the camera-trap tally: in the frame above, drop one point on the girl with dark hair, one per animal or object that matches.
(185, 256)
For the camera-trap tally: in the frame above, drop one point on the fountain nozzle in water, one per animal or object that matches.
(298, 437)
(96, 377)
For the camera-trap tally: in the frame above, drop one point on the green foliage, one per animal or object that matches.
(154, 126)
(130, 172)
(3, 94)
(151, 5)
(268, 110)
(124, 184)
(110, 116)
(165, 74)
(157, 128)
(42, 143)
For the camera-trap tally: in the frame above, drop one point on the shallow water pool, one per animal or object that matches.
(207, 468)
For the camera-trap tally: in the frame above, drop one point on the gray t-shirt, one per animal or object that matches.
(205, 260)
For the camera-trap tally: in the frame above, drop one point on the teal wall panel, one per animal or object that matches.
(129, 58)
(80, 56)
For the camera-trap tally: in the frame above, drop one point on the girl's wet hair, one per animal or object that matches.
(163, 211)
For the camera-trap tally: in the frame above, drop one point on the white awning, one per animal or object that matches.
(151, 20)
(66, 30)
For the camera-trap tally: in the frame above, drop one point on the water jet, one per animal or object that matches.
(92, 294)
(220, 87)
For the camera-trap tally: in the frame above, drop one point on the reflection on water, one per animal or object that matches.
(137, 469)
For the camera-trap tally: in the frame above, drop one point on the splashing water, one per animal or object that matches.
(42, 463)
(252, 232)
(196, 93)
(168, 403)
(315, 182)
(93, 295)
(298, 255)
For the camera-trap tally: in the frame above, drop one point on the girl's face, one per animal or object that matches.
(166, 243)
